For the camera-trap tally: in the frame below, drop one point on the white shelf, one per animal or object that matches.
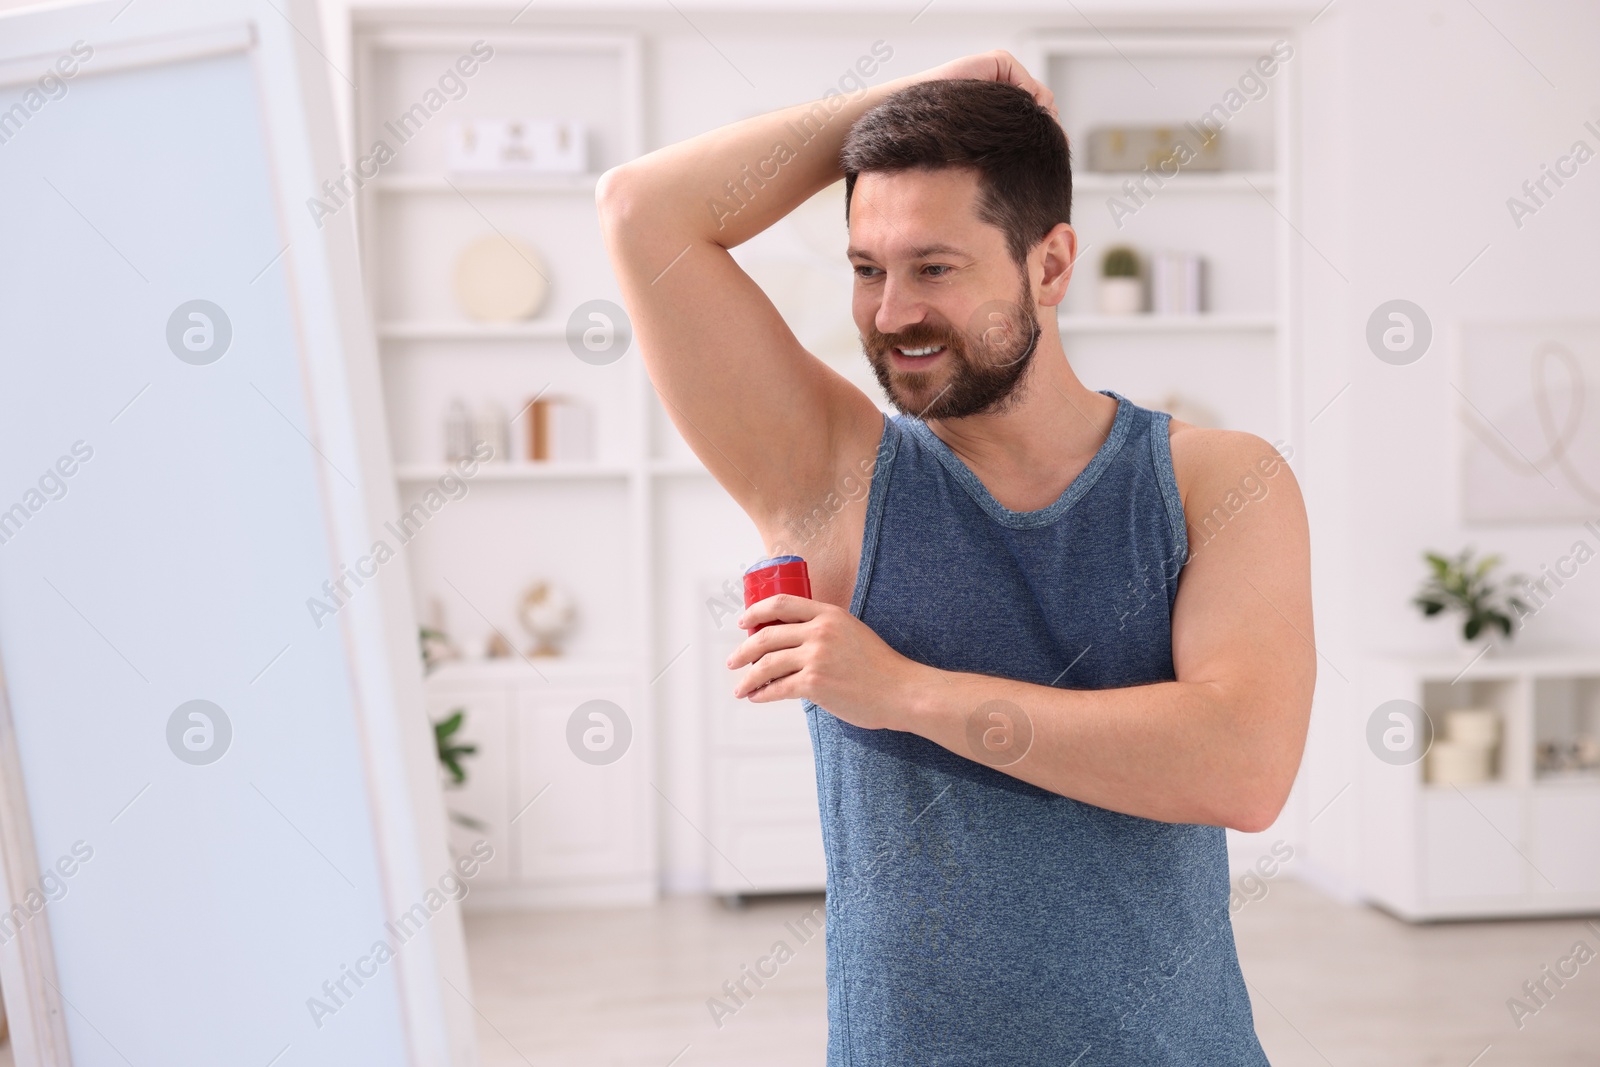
(1150, 323)
(552, 471)
(1567, 780)
(1182, 46)
(513, 472)
(678, 467)
(422, 330)
(1500, 666)
(516, 668)
(478, 183)
(1191, 181)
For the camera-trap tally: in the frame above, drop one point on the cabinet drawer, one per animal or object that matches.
(1566, 838)
(765, 822)
(756, 788)
(1472, 842)
(777, 858)
(589, 821)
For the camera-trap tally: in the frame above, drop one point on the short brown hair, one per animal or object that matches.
(1017, 147)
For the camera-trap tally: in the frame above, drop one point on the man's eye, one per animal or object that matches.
(938, 267)
(864, 271)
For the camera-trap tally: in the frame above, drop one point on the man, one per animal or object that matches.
(1063, 644)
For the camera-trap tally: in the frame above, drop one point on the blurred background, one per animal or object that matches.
(1381, 257)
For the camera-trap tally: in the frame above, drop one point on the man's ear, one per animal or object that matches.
(1059, 249)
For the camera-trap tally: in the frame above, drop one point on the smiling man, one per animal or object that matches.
(1035, 702)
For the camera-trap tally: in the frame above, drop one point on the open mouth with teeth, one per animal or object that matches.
(923, 352)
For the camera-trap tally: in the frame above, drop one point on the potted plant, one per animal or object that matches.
(1121, 292)
(1463, 585)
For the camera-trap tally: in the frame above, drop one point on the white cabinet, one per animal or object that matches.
(1565, 838)
(589, 821)
(763, 819)
(1527, 842)
(559, 779)
(1472, 844)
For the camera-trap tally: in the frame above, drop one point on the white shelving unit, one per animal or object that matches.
(569, 832)
(1236, 361)
(1524, 843)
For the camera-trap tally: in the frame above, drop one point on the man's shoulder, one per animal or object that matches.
(1208, 463)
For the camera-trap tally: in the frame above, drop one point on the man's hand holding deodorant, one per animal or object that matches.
(804, 648)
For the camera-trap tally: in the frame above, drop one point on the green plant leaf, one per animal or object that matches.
(450, 752)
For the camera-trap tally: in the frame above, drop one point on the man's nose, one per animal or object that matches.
(897, 310)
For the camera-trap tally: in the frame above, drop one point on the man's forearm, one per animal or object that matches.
(733, 182)
(1173, 751)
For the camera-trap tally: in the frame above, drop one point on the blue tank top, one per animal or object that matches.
(973, 918)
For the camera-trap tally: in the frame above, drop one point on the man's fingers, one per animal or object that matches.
(770, 668)
(1010, 69)
(778, 635)
(780, 607)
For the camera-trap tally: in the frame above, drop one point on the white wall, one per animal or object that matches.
(1419, 121)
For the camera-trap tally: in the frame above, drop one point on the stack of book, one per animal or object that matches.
(1176, 283)
(561, 429)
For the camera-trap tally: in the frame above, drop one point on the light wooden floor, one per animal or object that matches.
(1331, 986)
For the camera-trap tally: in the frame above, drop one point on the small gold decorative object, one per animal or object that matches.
(547, 612)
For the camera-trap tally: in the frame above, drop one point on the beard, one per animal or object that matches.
(986, 362)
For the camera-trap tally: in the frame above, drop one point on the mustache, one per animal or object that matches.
(914, 337)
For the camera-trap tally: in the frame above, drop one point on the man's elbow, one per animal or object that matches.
(610, 192)
(1259, 802)
(1254, 819)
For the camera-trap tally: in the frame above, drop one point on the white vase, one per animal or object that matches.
(1121, 296)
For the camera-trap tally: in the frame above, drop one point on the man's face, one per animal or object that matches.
(930, 275)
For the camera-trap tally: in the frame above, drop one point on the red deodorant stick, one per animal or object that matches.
(769, 577)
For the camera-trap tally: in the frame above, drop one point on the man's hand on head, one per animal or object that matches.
(995, 66)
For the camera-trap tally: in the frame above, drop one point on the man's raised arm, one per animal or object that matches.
(769, 420)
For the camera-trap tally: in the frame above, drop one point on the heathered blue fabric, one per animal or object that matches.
(973, 918)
